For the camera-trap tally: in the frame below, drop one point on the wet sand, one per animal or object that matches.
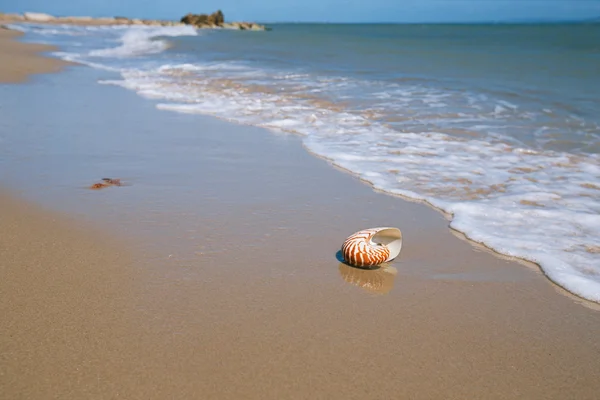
(66, 300)
(228, 286)
(20, 60)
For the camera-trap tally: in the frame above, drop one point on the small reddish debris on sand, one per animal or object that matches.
(107, 182)
(99, 186)
(113, 182)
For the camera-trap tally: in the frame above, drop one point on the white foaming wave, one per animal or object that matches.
(98, 50)
(541, 206)
(223, 66)
(77, 58)
(140, 40)
(16, 27)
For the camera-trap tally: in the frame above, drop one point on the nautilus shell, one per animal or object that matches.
(377, 281)
(371, 247)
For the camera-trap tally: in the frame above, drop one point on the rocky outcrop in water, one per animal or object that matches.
(201, 21)
(245, 26)
(217, 20)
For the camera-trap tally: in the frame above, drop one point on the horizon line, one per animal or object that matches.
(487, 22)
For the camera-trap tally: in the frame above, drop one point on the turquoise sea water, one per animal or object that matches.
(497, 125)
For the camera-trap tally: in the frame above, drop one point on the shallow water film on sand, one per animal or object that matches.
(501, 133)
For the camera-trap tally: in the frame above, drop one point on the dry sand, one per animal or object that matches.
(81, 318)
(20, 60)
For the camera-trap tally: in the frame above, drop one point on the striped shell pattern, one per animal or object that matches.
(359, 250)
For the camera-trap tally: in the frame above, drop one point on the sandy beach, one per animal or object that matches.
(214, 275)
(19, 60)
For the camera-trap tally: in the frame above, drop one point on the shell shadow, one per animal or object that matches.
(377, 281)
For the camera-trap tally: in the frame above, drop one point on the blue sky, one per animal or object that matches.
(322, 10)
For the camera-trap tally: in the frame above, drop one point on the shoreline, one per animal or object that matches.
(214, 307)
(465, 237)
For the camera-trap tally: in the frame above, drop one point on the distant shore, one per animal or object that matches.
(200, 21)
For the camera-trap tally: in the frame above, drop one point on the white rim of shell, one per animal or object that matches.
(390, 237)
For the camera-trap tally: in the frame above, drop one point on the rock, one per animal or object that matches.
(195, 19)
(215, 19)
(106, 20)
(244, 26)
(122, 20)
(77, 19)
(38, 17)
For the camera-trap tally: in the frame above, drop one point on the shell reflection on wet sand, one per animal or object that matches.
(378, 281)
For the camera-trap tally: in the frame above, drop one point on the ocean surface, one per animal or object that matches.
(497, 125)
